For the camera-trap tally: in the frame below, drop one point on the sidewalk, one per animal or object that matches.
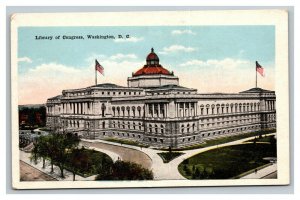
(25, 157)
(161, 170)
(169, 171)
(262, 172)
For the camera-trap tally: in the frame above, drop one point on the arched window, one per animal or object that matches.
(201, 109)
(114, 111)
(156, 128)
(162, 129)
(207, 109)
(213, 109)
(218, 108)
(103, 107)
(188, 128)
(118, 111)
(182, 128)
(123, 111)
(133, 111)
(128, 111)
(150, 128)
(103, 125)
(139, 110)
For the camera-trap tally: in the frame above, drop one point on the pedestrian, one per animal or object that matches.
(255, 171)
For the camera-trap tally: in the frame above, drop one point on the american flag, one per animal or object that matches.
(260, 69)
(99, 68)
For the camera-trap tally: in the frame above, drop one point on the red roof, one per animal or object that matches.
(152, 66)
(152, 56)
(152, 69)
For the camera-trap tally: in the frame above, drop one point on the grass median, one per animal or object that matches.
(227, 162)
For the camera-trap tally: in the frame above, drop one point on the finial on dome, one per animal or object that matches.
(152, 50)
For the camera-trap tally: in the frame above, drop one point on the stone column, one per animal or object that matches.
(83, 107)
(146, 110)
(158, 110)
(183, 109)
(172, 109)
(75, 108)
(152, 110)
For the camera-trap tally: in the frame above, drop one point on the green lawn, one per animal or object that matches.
(87, 162)
(167, 156)
(223, 140)
(226, 162)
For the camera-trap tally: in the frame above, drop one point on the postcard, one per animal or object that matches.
(150, 99)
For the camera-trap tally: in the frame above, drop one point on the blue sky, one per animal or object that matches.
(226, 52)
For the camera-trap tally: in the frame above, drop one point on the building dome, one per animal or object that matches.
(152, 57)
(152, 66)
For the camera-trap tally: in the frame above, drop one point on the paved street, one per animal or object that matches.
(147, 157)
(165, 171)
(124, 152)
(29, 173)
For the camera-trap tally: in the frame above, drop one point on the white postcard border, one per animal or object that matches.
(278, 18)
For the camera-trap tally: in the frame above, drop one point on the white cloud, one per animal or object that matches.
(227, 63)
(177, 48)
(122, 56)
(224, 75)
(49, 79)
(180, 32)
(25, 59)
(131, 39)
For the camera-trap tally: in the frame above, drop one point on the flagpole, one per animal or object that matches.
(95, 76)
(255, 74)
(255, 78)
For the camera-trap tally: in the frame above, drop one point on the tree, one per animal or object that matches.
(122, 170)
(40, 150)
(43, 148)
(54, 147)
(64, 143)
(35, 152)
(197, 174)
(74, 161)
(255, 140)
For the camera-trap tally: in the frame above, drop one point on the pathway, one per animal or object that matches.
(166, 171)
(147, 157)
(124, 152)
(25, 157)
(262, 173)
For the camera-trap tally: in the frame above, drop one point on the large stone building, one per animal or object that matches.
(155, 110)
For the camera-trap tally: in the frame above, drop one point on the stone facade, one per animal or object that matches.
(160, 115)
